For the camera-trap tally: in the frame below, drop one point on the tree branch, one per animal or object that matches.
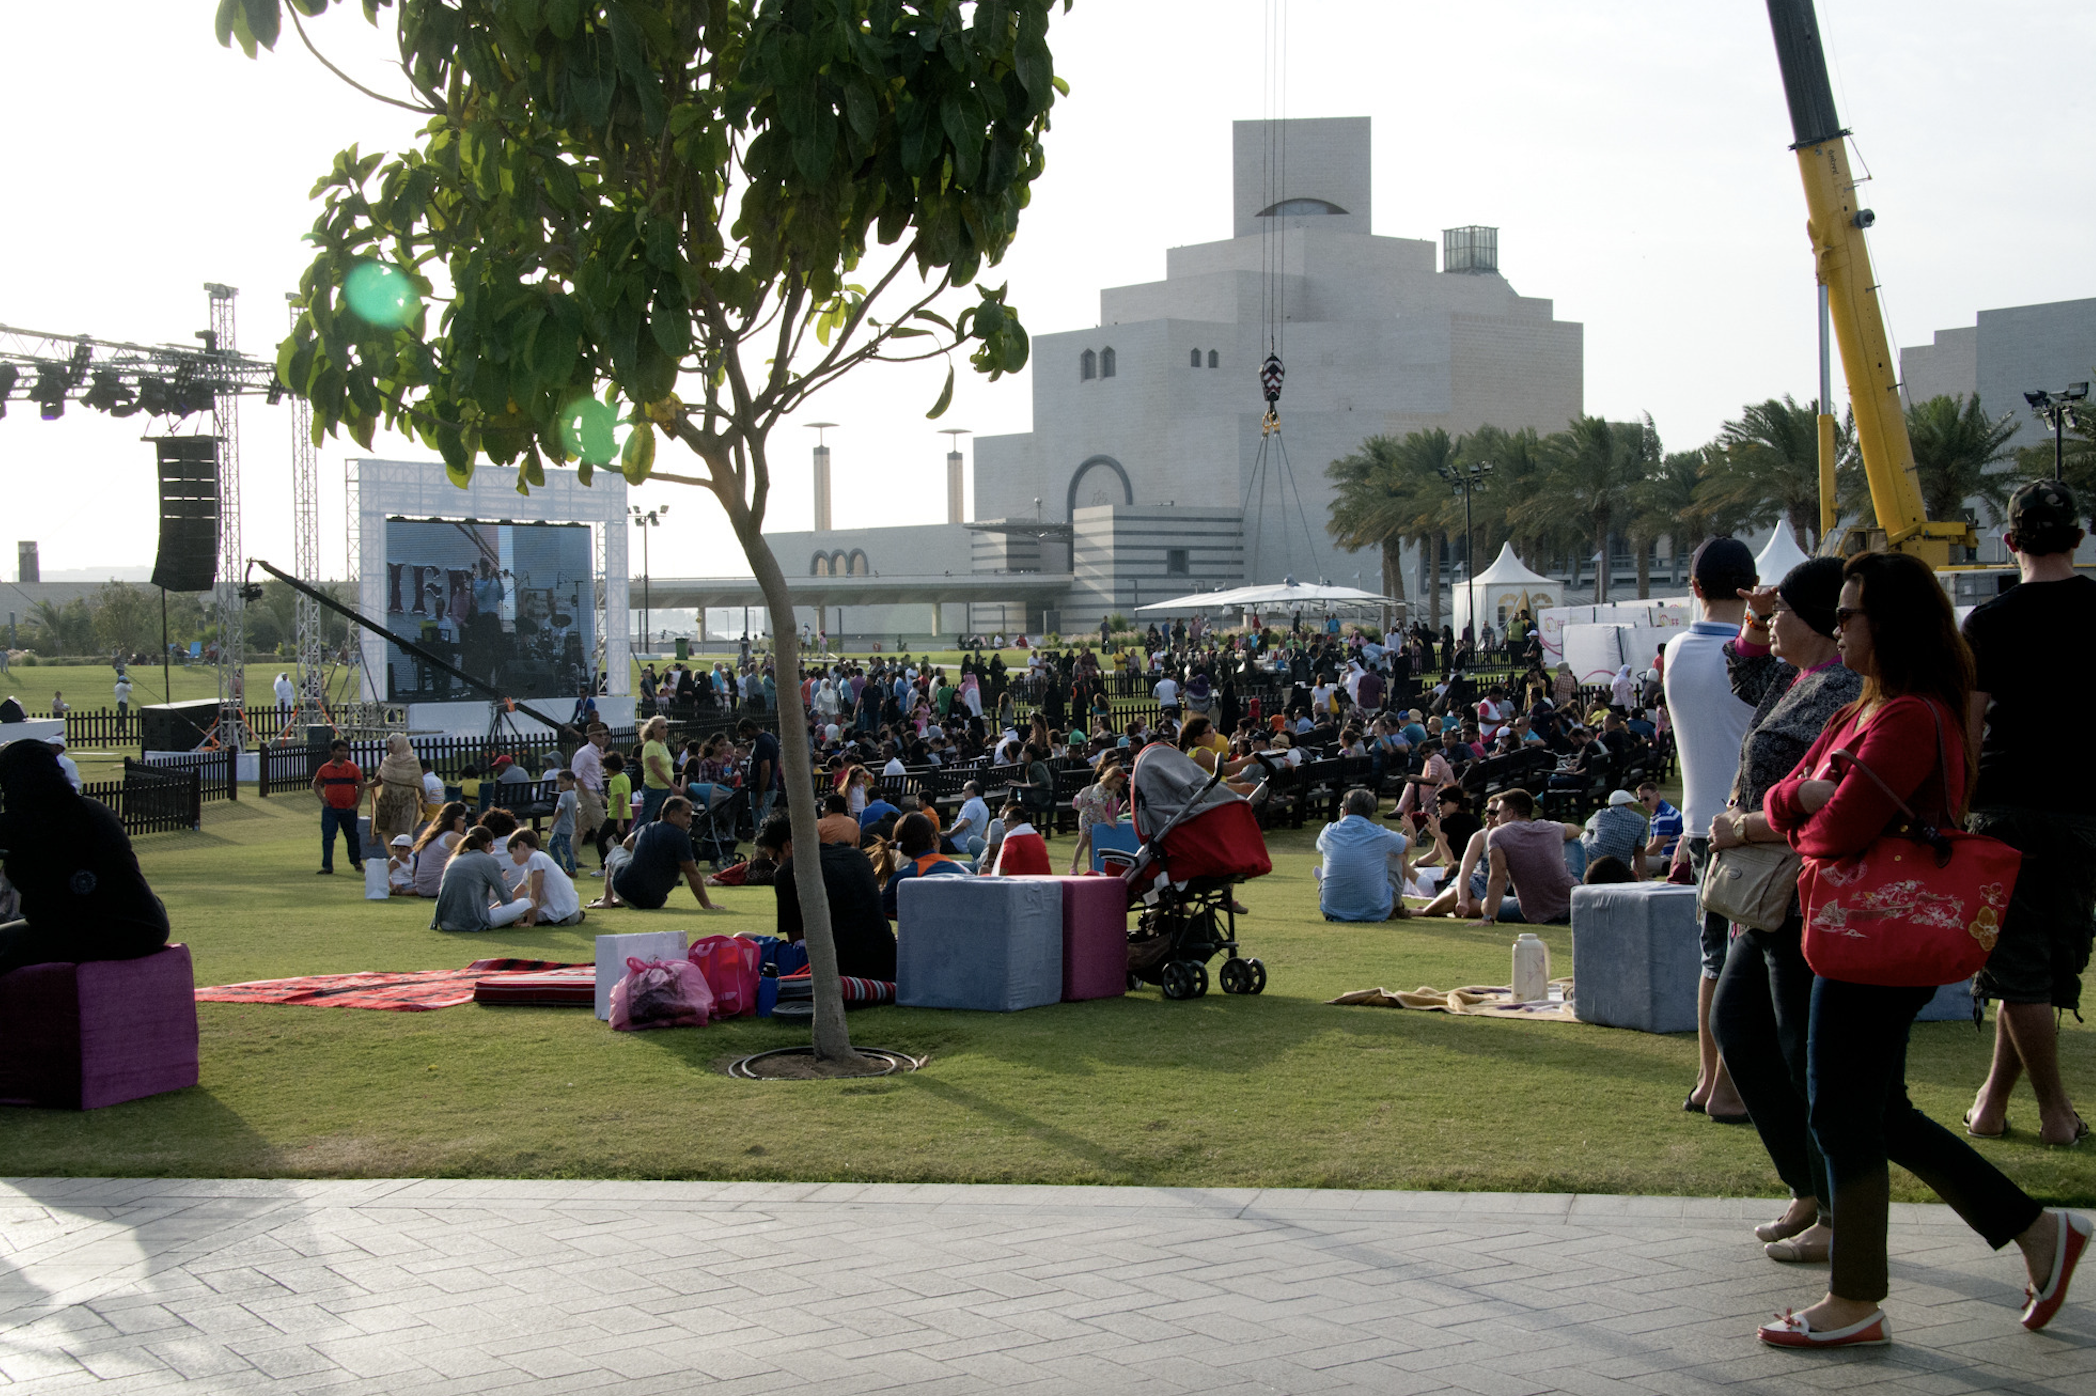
(376, 96)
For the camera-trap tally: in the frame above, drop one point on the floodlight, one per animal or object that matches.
(107, 393)
(2076, 391)
(2036, 400)
(9, 375)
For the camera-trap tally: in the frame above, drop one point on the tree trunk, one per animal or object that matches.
(1644, 564)
(1394, 580)
(1433, 581)
(1601, 577)
(832, 1039)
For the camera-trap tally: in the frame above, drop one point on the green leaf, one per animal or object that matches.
(222, 22)
(264, 21)
(945, 397)
(637, 460)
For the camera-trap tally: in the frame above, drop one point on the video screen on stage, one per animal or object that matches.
(514, 605)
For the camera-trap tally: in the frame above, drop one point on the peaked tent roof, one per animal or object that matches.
(1781, 554)
(1506, 569)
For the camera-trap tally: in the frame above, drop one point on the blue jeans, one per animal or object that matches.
(332, 819)
(764, 804)
(651, 804)
(1856, 1076)
(1760, 1017)
(561, 849)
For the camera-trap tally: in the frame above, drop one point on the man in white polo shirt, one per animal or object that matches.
(1709, 725)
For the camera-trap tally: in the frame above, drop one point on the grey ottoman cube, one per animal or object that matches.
(992, 943)
(1636, 955)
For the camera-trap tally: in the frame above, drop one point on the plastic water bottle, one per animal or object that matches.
(1531, 969)
(767, 990)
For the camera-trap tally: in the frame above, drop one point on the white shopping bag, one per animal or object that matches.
(376, 888)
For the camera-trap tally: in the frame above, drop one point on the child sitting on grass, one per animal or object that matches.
(400, 867)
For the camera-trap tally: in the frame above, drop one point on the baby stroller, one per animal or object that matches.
(1198, 841)
(716, 811)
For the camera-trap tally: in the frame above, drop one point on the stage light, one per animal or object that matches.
(152, 396)
(107, 393)
(276, 391)
(50, 390)
(9, 376)
(381, 294)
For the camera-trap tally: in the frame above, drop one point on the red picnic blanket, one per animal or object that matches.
(416, 991)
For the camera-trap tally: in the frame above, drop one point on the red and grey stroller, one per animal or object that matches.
(1199, 840)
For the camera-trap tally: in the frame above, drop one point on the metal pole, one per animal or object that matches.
(167, 690)
(1829, 510)
(1470, 566)
(2059, 446)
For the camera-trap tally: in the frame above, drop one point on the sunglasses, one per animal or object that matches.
(1844, 614)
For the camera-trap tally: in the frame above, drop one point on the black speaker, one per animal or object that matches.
(176, 726)
(188, 556)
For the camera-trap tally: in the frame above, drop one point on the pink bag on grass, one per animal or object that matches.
(660, 994)
(730, 964)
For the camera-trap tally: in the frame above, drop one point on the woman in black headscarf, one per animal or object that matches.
(83, 897)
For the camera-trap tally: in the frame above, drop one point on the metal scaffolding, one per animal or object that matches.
(223, 342)
(311, 675)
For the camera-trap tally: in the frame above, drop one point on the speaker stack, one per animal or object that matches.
(188, 556)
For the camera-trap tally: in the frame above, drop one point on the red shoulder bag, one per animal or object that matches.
(1922, 905)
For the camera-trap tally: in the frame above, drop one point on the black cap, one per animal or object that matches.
(1723, 559)
(2043, 504)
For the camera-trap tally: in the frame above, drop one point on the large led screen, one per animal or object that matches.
(511, 604)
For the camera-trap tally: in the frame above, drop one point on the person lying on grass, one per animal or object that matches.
(642, 871)
(473, 895)
(554, 900)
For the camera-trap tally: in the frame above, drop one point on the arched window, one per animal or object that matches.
(1193, 358)
(1087, 366)
(820, 567)
(1106, 363)
(1299, 208)
(857, 565)
(1212, 361)
(837, 564)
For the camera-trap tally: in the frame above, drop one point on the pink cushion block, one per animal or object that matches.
(1095, 937)
(83, 1036)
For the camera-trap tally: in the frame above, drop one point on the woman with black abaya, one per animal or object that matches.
(83, 897)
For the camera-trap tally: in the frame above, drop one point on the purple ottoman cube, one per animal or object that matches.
(1095, 937)
(79, 1037)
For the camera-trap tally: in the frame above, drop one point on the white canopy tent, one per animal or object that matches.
(1503, 590)
(1280, 597)
(1781, 554)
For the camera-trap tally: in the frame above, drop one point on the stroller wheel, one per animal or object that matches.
(1255, 976)
(1185, 979)
(1135, 981)
(1235, 977)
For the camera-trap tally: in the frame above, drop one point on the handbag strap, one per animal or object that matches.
(1917, 828)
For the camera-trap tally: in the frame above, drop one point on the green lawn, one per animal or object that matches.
(1278, 1090)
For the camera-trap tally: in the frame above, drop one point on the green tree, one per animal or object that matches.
(67, 629)
(127, 618)
(1956, 446)
(629, 199)
(1767, 468)
(1594, 468)
(1390, 492)
(1505, 509)
(1666, 506)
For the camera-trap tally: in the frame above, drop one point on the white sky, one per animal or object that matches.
(1632, 152)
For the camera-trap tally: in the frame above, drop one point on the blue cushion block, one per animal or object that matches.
(1636, 955)
(993, 943)
(1952, 1004)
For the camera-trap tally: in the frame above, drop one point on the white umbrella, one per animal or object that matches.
(1286, 594)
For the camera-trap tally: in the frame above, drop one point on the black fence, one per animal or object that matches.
(151, 799)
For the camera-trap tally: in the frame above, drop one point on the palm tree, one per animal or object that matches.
(1954, 445)
(1519, 475)
(1767, 467)
(1666, 507)
(1371, 506)
(1594, 466)
(1390, 492)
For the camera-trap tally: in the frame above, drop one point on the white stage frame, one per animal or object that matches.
(384, 489)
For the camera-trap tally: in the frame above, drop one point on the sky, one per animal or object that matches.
(1633, 154)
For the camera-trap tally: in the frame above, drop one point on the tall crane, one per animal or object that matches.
(1835, 226)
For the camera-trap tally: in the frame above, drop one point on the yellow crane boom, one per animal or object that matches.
(1841, 258)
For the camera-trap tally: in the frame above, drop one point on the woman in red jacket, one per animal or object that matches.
(1896, 628)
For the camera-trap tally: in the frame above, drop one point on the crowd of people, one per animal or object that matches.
(1772, 699)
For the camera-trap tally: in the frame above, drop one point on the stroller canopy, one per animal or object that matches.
(1168, 787)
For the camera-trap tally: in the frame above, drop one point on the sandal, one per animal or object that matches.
(1790, 1330)
(1982, 1134)
(2081, 1132)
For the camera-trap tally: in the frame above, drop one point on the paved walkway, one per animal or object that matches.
(436, 1287)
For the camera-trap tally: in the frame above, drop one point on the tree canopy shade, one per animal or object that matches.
(619, 204)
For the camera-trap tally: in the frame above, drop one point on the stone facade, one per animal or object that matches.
(1159, 404)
